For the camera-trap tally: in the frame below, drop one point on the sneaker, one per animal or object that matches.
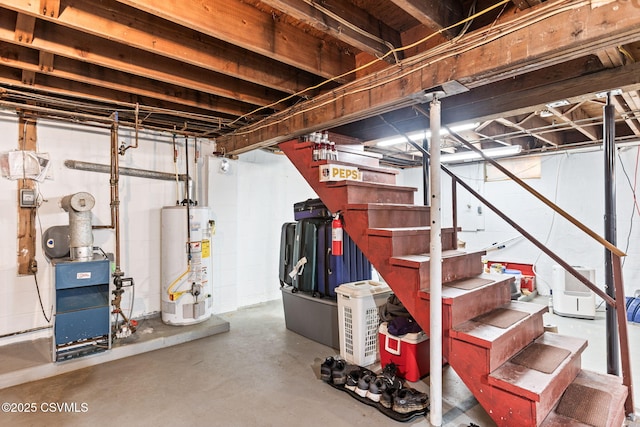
(409, 400)
(354, 376)
(386, 399)
(363, 385)
(339, 372)
(390, 375)
(376, 388)
(326, 368)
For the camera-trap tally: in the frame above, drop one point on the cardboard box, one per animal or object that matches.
(330, 172)
(410, 352)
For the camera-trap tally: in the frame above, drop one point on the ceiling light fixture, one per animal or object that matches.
(418, 136)
(472, 155)
(557, 104)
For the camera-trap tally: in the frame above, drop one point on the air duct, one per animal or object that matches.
(79, 206)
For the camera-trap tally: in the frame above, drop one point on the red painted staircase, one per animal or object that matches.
(520, 374)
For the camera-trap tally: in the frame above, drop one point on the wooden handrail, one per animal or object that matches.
(614, 249)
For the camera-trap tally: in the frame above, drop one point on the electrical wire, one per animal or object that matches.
(553, 220)
(426, 59)
(632, 187)
(370, 63)
(35, 273)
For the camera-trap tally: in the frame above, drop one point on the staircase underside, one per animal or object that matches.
(520, 374)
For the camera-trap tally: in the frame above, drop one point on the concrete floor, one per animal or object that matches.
(257, 374)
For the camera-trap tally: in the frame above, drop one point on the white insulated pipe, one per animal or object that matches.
(435, 271)
(79, 206)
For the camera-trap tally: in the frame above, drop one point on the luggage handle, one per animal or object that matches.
(387, 340)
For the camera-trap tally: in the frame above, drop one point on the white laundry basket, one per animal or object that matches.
(358, 319)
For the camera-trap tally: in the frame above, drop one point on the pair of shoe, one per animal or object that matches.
(334, 370)
(367, 384)
(404, 400)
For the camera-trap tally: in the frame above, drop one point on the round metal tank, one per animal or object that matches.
(186, 286)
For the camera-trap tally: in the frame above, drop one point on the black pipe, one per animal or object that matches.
(425, 174)
(608, 140)
(187, 199)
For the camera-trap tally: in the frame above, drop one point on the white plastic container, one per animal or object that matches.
(358, 320)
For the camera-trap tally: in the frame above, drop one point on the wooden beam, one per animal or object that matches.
(621, 109)
(552, 139)
(435, 15)
(572, 117)
(526, 4)
(245, 26)
(343, 21)
(141, 39)
(64, 42)
(28, 59)
(26, 216)
(611, 57)
(175, 98)
(505, 55)
(516, 96)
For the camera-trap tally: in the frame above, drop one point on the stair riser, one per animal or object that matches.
(552, 395)
(511, 410)
(455, 268)
(481, 301)
(379, 177)
(353, 195)
(392, 217)
(419, 243)
(508, 344)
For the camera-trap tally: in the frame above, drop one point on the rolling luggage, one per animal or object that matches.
(303, 273)
(351, 266)
(310, 208)
(287, 239)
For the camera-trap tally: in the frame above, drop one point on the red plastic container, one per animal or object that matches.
(410, 352)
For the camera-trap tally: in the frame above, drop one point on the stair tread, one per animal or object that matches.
(402, 231)
(386, 206)
(344, 183)
(380, 169)
(415, 260)
(529, 382)
(604, 382)
(483, 334)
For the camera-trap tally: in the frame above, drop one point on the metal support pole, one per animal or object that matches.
(425, 174)
(609, 135)
(435, 274)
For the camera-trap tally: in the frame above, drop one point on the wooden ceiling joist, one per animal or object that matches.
(435, 15)
(343, 21)
(245, 26)
(151, 37)
(572, 118)
(64, 42)
(535, 44)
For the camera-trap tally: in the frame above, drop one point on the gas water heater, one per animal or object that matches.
(186, 265)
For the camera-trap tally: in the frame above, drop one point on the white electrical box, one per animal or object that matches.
(571, 297)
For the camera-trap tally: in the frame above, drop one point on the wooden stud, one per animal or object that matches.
(25, 25)
(46, 61)
(28, 77)
(26, 216)
(50, 8)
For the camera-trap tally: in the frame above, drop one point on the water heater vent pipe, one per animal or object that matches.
(79, 206)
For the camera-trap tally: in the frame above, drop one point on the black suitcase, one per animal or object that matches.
(287, 239)
(304, 269)
(310, 208)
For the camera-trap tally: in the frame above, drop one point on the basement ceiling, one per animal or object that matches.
(250, 74)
